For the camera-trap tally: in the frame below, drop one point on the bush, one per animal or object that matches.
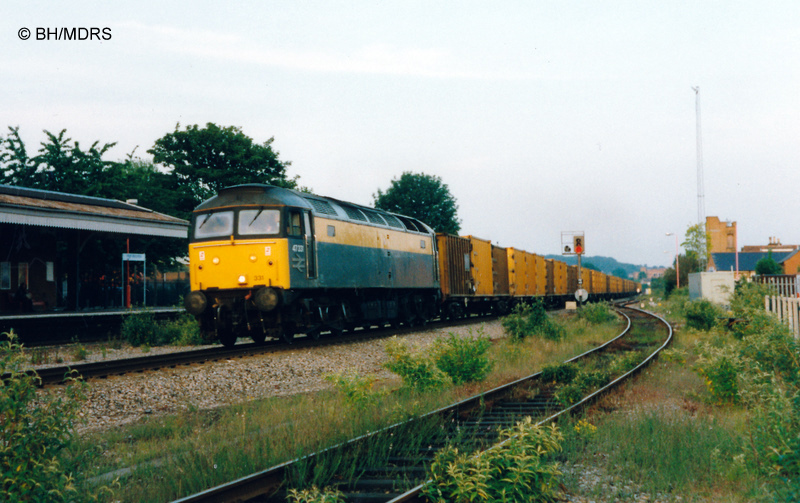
(515, 470)
(562, 373)
(417, 372)
(526, 320)
(315, 495)
(701, 314)
(597, 313)
(357, 388)
(36, 430)
(142, 329)
(463, 358)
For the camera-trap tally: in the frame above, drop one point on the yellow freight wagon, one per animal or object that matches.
(530, 274)
(481, 265)
(572, 278)
(500, 271)
(599, 283)
(454, 265)
(559, 278)
(586, 275)
(540, 269)
(517, 271)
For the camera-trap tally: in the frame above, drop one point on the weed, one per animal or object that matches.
(464, 359)
(418, 372)
(315, 495)
(597, 313)
(35, 432)
(702, 314)
(355, 387)
(514, 470)
(526, 320)
(562, 373)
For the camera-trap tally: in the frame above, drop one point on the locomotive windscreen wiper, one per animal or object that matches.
(208, 215)
(257, 214)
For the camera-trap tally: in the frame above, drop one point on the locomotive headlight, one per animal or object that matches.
(266, 299)
(215, 260)
(252, 258)
(242, 279)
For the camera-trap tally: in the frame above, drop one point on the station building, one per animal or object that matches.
(65, 251)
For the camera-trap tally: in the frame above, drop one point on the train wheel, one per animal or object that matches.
(258, 336)
(223, 324)
(288, 334)
(313, 334)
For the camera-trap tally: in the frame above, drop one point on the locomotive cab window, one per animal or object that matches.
(261, 221)
(211, 225)
(294, 226)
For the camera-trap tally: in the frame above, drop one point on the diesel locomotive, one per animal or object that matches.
(266, 261)
(272, 262)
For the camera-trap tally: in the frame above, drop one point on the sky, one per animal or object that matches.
(542, 117)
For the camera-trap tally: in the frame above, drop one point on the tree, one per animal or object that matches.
(423, 197)
(687, 264)
(697, 245)
(768, 265)
(209, 159)
(619, 272)
(61, 165)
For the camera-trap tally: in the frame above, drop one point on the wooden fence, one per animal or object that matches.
(787, 309)
(785, 285)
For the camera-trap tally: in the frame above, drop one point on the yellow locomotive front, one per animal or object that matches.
(239, 264)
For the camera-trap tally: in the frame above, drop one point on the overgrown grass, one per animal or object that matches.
(142, 329)
(715, 419)
(177, 455)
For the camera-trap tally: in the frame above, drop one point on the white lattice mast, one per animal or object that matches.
(701, 204)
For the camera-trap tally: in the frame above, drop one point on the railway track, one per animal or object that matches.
(398, 474)
(106, 368)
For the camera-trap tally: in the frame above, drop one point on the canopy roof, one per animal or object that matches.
(45, 208)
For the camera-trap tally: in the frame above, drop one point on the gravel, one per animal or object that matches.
(120, 400)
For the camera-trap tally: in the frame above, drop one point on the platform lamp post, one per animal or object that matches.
(677, 262)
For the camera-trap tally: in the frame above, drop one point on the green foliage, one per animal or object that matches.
(418, 372)
(702, 314)
(720, 369)
(357, 388)
(526, 320)
(464, 359)
(597, 313)
(562, 373)
(315, 495)
(768, 265)
(757, 364)
(697, 246)
(687, 264)
(423, 197)
(205, 160)
(581, 385)
(35, 432)
(514, 470)
(142, 329)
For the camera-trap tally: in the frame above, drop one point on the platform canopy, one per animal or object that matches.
(44, 208)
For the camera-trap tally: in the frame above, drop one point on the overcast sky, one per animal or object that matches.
(541, 117)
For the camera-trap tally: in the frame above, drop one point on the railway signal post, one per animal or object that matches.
(576, 247)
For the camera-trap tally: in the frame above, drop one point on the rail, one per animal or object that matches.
(263, 483)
